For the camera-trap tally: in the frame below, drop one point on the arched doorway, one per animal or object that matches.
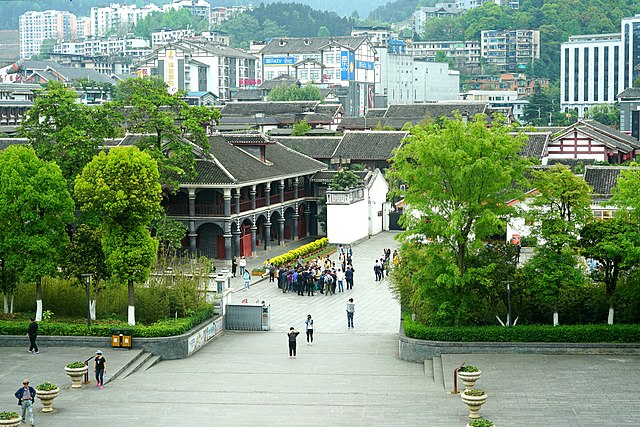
(210, 241)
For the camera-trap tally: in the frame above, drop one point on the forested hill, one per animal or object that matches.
(284, 20)
(10, 10)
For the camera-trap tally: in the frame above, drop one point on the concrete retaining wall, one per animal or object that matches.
(175, 347)
(413, 350)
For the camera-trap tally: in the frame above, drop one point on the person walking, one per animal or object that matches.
(243, 265)
(309, 327)
(26, 397)
(234, 266)
(100, 368)
(247, 280)
(293, 334)
(32, 333)
(351, 308)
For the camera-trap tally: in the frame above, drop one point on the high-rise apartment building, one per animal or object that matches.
(510, 50)
(630, 39)
(36, 27)
(115, 16)
(200, 8)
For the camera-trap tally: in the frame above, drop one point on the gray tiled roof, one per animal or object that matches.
(604, 134)
(286, 45)
(613, 133)
(535, 144)
(630, 93)
(329, 109)
(231, 164)
(7, 142)
(278, 81)
(248, 95)
(376, 112)
(369, 145)
(572, 163)
(315, 147)
(602, 178)
(325, 177)
(72, 73)
(267, 108)
(435, 110)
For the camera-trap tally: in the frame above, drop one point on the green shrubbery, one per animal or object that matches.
(530, 333)
(161, 328)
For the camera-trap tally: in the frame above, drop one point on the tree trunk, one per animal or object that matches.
(38, 300)
(6, 303)
(92, 309)
(11, 305)
(610, 318)
(555, 317)
(131, 309)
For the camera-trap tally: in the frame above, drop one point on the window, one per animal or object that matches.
(585, 80)
(596, 66)
(566, 75)
(606, 74)
(304, 75)
(315, 75)
(602, 214)
(576, 67)
(269, 75)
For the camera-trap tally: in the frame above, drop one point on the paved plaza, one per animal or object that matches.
(349, 377)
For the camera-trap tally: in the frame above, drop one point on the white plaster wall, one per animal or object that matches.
(347, 223)
(377, 194)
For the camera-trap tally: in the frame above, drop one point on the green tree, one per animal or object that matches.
(615, 244)
(626, 194)
(35, 209)
(292, 92)
(458, 176)
(301, 128)
(123, 188)
(85, 256)
(607, 114)
(561, 207)
(151, 109)
(323, 32)
(64, 131)
(537, 110)
(344, 179)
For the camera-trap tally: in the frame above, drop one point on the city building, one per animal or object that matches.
(630, 40)
(222, 13)
(133, 47)
(118, 17)
(199, 8)
(379, 36)
(250, 192)
(465, 53)
(518, 82)
(629, 102)
(440, 10)
(165, 36)
(83, 27)
(510, 50)
(36, 27)
(590, 71)
(346, 63)
(15, 101)
(498, 99)
(405, 79)
(196, 66)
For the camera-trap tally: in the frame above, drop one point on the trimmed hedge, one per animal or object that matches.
(294, 254)
(163, 328)
(528, 333)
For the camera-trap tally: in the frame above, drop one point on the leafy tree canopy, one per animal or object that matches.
(607, 114)
(344, 179)
(293, 92)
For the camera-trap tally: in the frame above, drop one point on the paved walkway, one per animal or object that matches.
(347, 378)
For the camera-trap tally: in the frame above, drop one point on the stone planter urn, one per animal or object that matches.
(10, 419)
(76, 374)
(474, 399)
(469, 378)
(46, 397)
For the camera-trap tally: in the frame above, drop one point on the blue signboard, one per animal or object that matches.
(398, 46)
(352, 65)
(281, 60)
(344, 65)
(365, 65)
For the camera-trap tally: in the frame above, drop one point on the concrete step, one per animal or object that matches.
(438, 374)
(153, 360)
(132, 366)
(133, 356)
(428, 369)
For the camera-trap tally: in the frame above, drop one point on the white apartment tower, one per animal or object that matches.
(36, 27)
(118, 16)
(200, 8)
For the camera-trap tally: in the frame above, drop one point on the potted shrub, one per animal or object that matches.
(46, 392)
(10, 419)
(474, 399)
(481, 423)
(76, 370)
(469, 375)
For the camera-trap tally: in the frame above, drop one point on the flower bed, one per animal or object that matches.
(302, 251)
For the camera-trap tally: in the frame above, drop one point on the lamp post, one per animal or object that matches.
(87, 285)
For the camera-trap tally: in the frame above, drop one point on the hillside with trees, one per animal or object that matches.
(284, 20)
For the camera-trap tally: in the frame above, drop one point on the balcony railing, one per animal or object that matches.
(346, 197)
(182, 209)
(210, 210)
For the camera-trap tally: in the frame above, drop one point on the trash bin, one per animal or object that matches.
(121, 338)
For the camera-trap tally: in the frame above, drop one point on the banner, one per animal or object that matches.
(344, 65)
(352, 65)
(171, 71)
